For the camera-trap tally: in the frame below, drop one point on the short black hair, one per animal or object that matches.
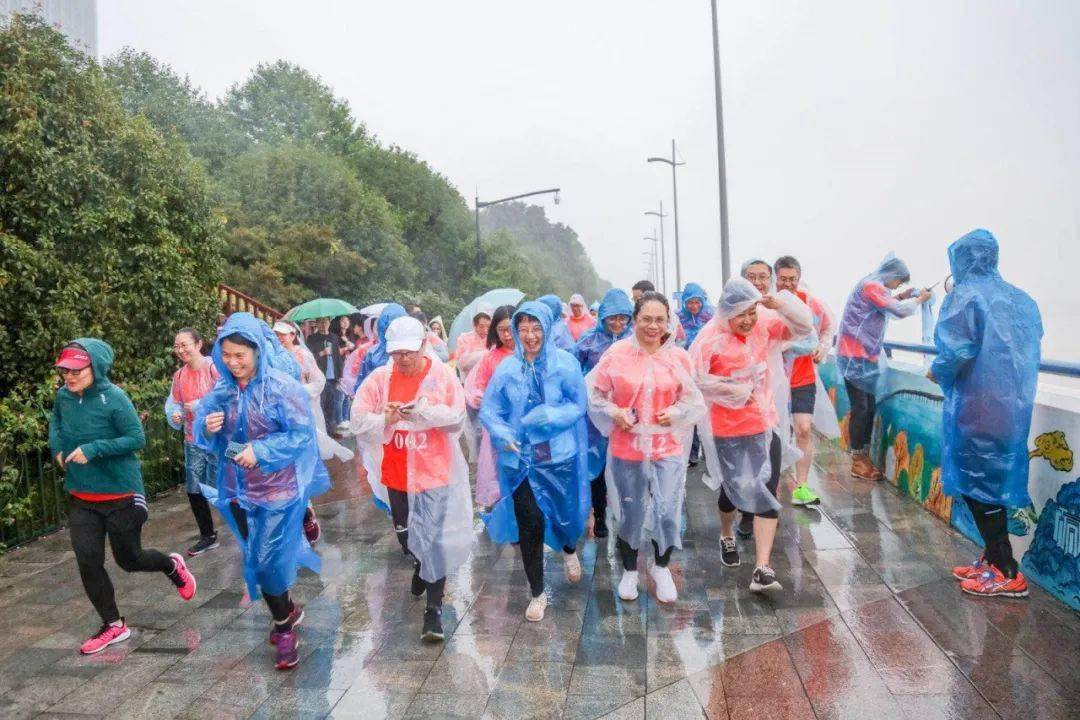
(477, 316)
(240, 340)
(787, 262)
(651, 296)
(643, 286)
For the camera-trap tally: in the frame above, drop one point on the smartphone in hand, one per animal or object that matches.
(233, 449)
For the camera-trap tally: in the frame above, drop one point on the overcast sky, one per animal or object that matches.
(854, 127)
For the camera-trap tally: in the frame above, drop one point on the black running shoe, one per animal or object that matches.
(433, 631)
(418, 585)
(745, 531)
(729, 554)
(764, 579)
(206, 542)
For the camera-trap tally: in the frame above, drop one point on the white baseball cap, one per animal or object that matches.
(405, 333)
(284, 327)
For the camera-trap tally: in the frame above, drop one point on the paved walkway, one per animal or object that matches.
(869, 625)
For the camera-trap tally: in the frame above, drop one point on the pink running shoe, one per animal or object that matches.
(312, 529)
(287, 655)
(182, 577)
(295, 618)
(106, 636)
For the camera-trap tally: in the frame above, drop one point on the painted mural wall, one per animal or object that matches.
(907, 446)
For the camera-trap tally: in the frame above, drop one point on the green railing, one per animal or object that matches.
(38, 486)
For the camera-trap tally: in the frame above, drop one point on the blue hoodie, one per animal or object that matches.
(691, 324)
(377, 356)
(271, 414)
(539, 406)
(560, 334)
(988, 338)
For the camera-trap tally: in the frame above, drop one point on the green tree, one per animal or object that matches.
(105, 226)
(175, 107)
(282, 102)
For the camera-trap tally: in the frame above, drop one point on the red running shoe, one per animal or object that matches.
(312, 530)
(295, 617)
(182, 577)
(993, 584)
(106, 636)
(287, 655)
(966, 572)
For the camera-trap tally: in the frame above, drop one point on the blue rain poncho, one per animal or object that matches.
(866, 314)
(539, 407)
(272, 415)
(376, 355)
(560, 334)
(691, 323)
(588, 350)
(988, 336)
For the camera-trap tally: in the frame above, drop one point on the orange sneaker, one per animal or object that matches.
(966, 572)
(992, 583)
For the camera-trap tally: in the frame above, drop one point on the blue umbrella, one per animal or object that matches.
(494, 298)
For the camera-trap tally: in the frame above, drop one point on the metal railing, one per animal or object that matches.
(1052, 367)
(232, 300)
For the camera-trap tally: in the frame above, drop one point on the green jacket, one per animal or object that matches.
(103, 422)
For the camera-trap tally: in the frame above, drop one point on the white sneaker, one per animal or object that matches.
(628, 585)
(573, 567)
(535, 611)
(665, 585)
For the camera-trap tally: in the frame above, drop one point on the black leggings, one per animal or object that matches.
(598, 488)
(861, 425)
(531, 524)
(121, 522)
(281, 606)
(399, 513)
(993, 524)
(629, 555)
(725, 504)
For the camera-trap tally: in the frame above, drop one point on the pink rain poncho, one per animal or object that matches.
(739, 376)
(646, 466)
(437, 476)
(470, 349)
(189, 386)
(487, 477)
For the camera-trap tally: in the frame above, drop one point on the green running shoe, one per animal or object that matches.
(803, 495)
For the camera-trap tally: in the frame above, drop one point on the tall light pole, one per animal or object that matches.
(725, 253)
(655, 254)
(663, 247)
(650, 262)
(488, 203)
(675, 196)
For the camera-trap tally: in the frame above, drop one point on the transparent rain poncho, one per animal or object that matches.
(824, 418)
(589, 349)
(560, 334)
(376, 355)
(313, 380)
(535, 415)
(646, 466)
(988, 340)
(691, 323)
(487, 477)
(271, 413)
(739, 376)
(866, 314)
(437, 476)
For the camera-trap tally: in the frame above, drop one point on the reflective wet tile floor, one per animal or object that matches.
(869, 625)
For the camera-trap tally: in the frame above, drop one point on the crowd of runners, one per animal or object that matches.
(572, 416)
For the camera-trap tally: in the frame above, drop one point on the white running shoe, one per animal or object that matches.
(573, 567)
(628, 585)
(665, 585)
(535, 611)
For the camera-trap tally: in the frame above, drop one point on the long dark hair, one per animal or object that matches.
(503, 312)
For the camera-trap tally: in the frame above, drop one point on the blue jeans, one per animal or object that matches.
(344, 405)
(200, 466)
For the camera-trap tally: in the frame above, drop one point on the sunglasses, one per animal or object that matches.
(64, 372)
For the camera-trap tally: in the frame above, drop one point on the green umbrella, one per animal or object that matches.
(322, 307)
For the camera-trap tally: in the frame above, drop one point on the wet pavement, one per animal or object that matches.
(869, 625)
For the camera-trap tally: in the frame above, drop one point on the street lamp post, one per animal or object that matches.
(675, 197)
(655, 254)
(650, 262)
(663, 247)
(488, 203)
(725, 254)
